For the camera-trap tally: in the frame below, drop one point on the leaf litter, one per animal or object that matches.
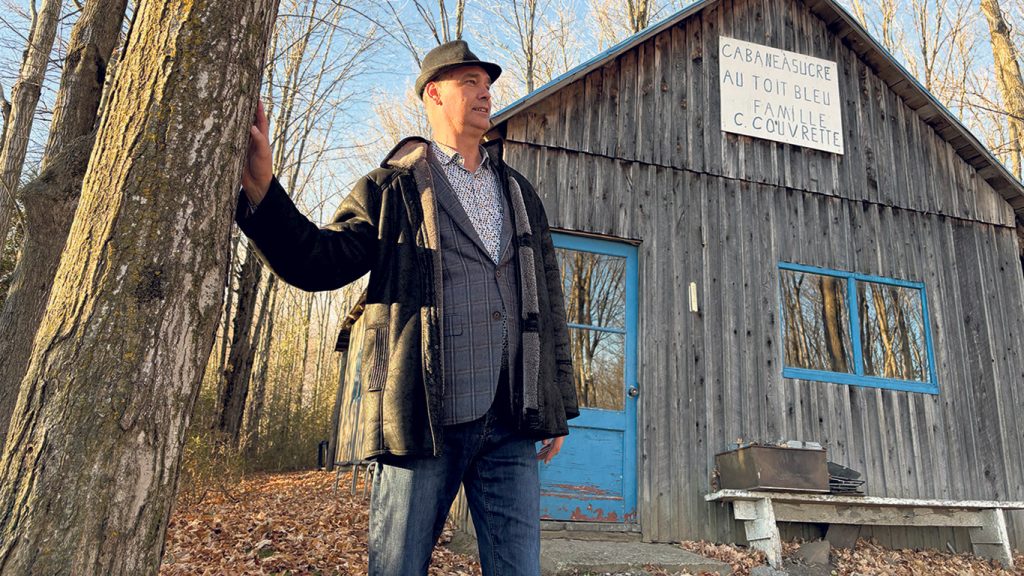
(292, 524)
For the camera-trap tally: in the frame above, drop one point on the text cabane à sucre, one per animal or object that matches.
(779, 95)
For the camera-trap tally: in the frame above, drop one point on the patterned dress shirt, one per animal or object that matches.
(477, 191)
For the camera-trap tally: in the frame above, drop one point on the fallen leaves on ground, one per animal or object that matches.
(294, 524)
(867, 559)
(282, 524)
(742, 560)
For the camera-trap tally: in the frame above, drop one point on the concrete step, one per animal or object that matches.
(565, 557)
(587, 554)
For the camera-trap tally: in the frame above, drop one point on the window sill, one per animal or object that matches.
(864, 381)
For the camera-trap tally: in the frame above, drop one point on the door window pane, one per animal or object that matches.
(598, 360)
(594, 287)
(892, 331)
(816, 322)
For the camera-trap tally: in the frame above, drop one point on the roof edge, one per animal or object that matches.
(998, 175)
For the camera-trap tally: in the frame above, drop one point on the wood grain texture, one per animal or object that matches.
(639, 155)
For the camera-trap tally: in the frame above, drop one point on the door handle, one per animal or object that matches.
(634, 392)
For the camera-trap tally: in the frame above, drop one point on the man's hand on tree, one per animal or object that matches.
(259, 168)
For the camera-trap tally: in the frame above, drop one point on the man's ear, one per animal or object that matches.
(431, 92)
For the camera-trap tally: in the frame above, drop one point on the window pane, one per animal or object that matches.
(598, 359)
(892, 331)
(816, 322)
(594, 286)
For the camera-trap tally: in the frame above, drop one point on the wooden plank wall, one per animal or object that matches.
(633, 150)
(658, 104)
(350, 436)
(710, 378)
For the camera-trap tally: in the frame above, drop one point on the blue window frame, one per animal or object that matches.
(855, 329)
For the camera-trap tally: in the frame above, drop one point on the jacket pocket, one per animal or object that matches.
(453, 325)
(376, 352)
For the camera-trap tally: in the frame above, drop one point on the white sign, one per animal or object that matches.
(779, 95)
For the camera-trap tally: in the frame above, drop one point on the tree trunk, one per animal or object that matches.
(95, 444)
(239, 366)
(51, 199)
(902, 334)
(884, 332)
(833, 323)
(259, 379)
(1008, 75)
(867, 346)
(225, 316)
(24, 98)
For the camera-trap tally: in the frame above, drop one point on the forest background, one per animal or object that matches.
(338, 90)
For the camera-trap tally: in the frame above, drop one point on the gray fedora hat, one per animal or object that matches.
(447, 56)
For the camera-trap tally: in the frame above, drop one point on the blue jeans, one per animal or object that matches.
(411, 498)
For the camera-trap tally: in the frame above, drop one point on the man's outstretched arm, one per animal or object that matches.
(298, 251)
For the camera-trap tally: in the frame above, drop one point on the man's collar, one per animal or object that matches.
(447, 155)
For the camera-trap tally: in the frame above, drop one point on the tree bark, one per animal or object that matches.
(50, 200)
(259, 379)
(239, 367)
(1008, 75)
(24, 98)
(95, 444)
(225, 317)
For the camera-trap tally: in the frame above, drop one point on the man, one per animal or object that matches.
(466, 354)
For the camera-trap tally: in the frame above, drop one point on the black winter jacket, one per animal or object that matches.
(387, 226)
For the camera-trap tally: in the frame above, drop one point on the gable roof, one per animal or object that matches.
(846, 27)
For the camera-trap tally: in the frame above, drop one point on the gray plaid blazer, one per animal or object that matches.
(479, 297)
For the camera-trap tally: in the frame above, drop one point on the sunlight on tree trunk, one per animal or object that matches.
(50, 200)
(1008, 75)
(95, 443)
(24, 98)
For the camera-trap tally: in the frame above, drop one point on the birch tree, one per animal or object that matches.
(94, 447)
(50, 200)
(24, 98)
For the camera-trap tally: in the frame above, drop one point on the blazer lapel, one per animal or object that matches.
(453, 206)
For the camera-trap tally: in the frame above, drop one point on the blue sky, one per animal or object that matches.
(390, 73)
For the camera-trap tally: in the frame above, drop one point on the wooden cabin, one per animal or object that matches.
(768, 231)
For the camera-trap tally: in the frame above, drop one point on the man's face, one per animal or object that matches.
(463, 96)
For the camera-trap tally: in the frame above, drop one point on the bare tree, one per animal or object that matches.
(443, 26)
(539, 39)
(24, 98)
(321, 58)
(51, 199)
(943, 47)
(264, 331)
(1008, 75)
(105, 404)
(616, 20)
(881, 19)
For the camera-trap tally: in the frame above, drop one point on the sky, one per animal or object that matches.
(388, 75)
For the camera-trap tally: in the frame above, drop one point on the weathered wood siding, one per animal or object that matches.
(350, 432)
(658, 104)
(634, 150)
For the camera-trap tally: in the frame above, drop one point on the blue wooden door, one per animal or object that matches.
(593, 478)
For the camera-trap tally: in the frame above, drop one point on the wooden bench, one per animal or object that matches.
(761, 510)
